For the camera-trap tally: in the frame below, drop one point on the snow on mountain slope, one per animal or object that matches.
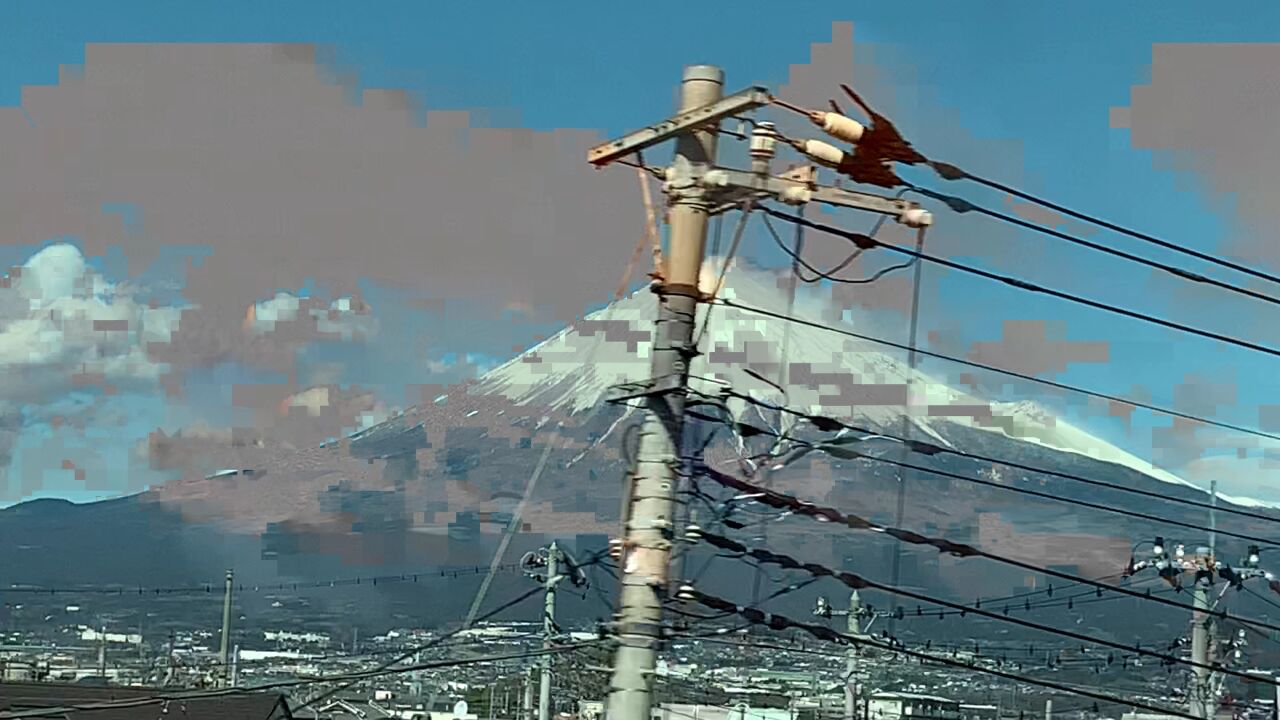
(829, 373)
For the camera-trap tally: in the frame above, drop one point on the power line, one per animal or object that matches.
(960, 205)
(353, 677)
(866, 241)
(991, 368)
(209, 588)
(881, 144)
(858, 582)
(414, 651)
(853, 522)
(830, 275)
(470, 620)
(951, 172)
(927, 649)
(927, 448)
(780, 622)
(851, 453)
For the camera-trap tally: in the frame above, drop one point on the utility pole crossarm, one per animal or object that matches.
(749, 99)
(734, 185)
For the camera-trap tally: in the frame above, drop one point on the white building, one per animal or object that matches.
(979, 712)
(590, 709)
(683, 711)
(90, 635)
(905, 705)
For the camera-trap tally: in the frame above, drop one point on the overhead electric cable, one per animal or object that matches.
(1002, 371)
(853, 522)
(356, 676)
(928, 448)
(864, 240)
(858, 582)
(950, 172)
(887, 145)
(961, 205)
(780, 622)
(845, 450)
(216, 587)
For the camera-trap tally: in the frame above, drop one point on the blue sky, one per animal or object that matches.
(1044, 74)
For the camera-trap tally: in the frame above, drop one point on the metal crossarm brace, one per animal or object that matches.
(749, 99)
(733, 185)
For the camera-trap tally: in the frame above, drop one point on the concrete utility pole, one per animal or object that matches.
(173, 666)
(1205, 689)
(1201, 706)
(224, 646)
(235, 666)
(853, 679)
(102, 652)
(647, 547)
(853, 627)
(553, 579)
(526, 703)
(696, 188)
(1048, 709)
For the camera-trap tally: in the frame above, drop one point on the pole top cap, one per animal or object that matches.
(707, 73)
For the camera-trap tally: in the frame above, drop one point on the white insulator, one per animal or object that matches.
(824, 153)
(763, 140)
(796, 195)
(715, 178)
(839, 126)
(916, 218)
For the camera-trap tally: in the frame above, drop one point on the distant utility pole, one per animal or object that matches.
(173, 667)
(102, 652)
(224, 646)
(553, 579)
(549, 566)
(526, 701)
(696, 189)
(853, 627)
(1201, 704)
(235, 666)
(1206, 568)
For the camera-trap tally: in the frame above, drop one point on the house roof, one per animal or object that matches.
(33, 696)
(911, 696)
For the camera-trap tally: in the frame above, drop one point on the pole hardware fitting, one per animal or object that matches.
(623, 392)
(636, 629)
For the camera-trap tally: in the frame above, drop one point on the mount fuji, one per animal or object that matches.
(435, 484)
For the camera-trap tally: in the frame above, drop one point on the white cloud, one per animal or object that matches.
(344, 318)
(62, 324)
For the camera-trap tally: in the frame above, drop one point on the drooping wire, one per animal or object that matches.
(819, 275)
(747, 207)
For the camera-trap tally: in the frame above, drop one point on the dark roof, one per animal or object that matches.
(32, 696)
